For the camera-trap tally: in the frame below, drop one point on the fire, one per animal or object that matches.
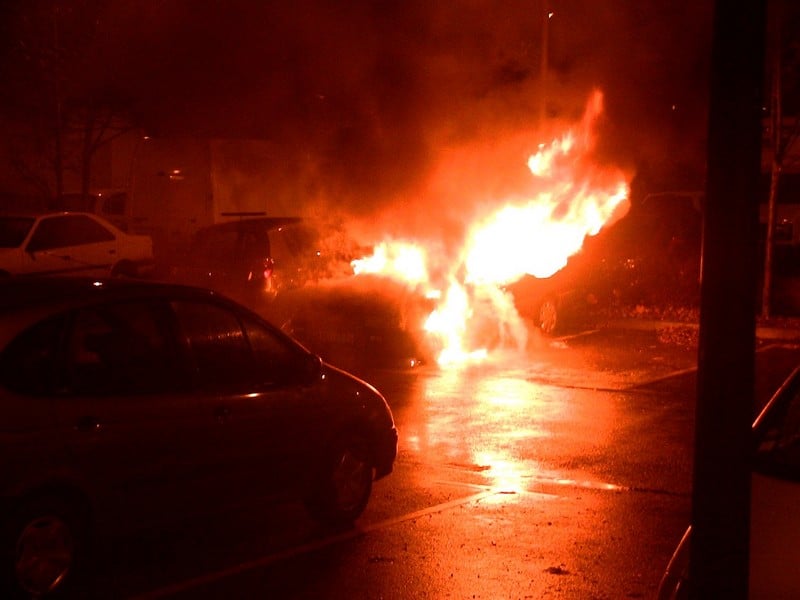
(535, 233)
(405, 261)
(449, 323)
(519, 240)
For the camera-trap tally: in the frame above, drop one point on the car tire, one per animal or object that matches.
(548, 316)
(345, 484)
(44, 548)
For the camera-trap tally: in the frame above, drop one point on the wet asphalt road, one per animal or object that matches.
(564, 473)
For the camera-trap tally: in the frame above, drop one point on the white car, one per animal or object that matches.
(774, 500)
(71, 243)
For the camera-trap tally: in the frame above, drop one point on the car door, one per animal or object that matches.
(134, 428)
(292, 390)
(32, 433)
(775, 498)
(71, 244)
(248, 383)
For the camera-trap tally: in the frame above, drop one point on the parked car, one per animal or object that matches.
(254, 256)
(655, 249)
(128, 402)
(70, 243)
(775, 494)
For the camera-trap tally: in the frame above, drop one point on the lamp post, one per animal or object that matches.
(547, 14)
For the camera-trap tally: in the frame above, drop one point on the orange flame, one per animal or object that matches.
(404, 261)
(533, 234)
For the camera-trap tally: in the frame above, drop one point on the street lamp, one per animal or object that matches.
(547, 14)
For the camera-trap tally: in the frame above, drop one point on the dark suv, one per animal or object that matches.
(256, 257)
(233, 257)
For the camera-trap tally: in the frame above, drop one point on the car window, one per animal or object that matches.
(121, 348)
(13, 230)
(293, 243)
(28, 364)
(221, 354)
(276, 359)
(778, 452)
(253, 246)
(117, 349)
(215, 246)
(68, 230)
(230, 246)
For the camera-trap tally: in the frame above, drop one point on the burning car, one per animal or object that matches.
(650, 256)
(512, 249)
(569, 298)
(356, 322)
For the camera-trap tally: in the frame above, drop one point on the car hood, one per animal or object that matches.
(358, 392)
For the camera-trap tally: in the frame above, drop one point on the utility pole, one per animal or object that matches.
(776, 129)
(719, 554)
(58, 158)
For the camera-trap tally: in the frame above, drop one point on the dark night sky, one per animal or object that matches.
(403, 70)
(370, 92)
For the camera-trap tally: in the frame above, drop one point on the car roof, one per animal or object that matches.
(252, 224)
(25, 292)
(35, 214)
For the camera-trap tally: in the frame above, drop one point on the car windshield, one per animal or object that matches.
(13, 230)
(230, 245)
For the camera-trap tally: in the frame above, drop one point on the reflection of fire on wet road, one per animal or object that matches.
(569, 198)
(506, 431)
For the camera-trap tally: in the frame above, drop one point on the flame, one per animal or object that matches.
(404, 261)
(449, 322)
(534, 233)
(528, 239)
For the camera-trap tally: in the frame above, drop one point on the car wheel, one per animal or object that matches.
(547, 316)
(345, 485)
(44, 547)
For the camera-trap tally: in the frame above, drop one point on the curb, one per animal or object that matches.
(763, 332)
